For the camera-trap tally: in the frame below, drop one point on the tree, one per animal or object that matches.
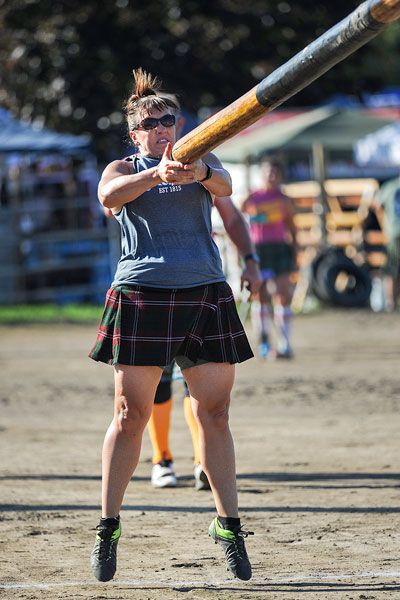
(68, 64)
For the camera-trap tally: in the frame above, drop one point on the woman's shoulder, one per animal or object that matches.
(119, 166)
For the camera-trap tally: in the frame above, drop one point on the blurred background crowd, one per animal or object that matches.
(66, 70)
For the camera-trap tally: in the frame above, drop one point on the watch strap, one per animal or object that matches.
(252, 256)
(208, 174)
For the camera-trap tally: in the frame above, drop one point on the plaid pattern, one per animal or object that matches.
(150, 326)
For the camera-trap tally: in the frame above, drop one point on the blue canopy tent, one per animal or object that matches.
(55, 243)
(17, 136)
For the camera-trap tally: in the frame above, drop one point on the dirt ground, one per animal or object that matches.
(317, 443)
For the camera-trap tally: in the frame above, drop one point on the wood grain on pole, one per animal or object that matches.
(363, 24)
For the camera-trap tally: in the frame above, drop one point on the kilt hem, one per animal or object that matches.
(149, 327)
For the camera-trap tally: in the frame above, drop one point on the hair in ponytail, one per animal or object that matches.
(147, 97)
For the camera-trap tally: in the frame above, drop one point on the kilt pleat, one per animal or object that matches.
(151, 326)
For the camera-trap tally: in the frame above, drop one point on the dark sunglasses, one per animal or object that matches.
(151, 122)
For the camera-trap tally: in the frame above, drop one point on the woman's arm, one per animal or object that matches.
(118, 185)
(220, 182)
(238, 231)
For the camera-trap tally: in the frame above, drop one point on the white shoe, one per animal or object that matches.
(200, 478)
(163, 475)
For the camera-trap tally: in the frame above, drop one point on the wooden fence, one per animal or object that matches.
(69, 263)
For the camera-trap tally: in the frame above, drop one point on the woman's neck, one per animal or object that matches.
(149, 156)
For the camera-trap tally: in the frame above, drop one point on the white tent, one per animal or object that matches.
(380, 148)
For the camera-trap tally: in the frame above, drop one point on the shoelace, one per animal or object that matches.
(239, 546)
(104, 545)
(244, 533)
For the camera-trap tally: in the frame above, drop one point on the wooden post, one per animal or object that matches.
(321, 205)
(363, 24)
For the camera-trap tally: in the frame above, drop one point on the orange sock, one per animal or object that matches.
(194, 428)
(158, 426)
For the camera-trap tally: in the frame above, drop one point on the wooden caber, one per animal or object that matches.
(363, 24)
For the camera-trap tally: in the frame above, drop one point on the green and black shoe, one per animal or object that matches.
(232, 543)
(103, 559)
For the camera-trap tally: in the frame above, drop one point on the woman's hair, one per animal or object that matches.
(147, 97)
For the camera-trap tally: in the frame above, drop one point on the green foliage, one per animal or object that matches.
(50, 313)
(69, 64)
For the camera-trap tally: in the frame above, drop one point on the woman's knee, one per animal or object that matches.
(221, 418)
(216, 416)
(130, 417)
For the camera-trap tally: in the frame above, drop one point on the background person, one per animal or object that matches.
(274, 235)
(386, 205)
(169, 301)
(163, 472)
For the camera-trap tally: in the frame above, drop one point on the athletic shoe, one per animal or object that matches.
(234, 548)
(264, 347)
(288, 354)
(264, 350)
(163, 474)
(103, 559)
(284, 351)
(200, 479)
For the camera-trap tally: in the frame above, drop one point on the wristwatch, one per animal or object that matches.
(252, 256)
(209, 173)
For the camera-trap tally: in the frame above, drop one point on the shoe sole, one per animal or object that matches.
(202, 484)
(166, 482)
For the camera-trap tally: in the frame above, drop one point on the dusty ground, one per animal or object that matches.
(317, 442)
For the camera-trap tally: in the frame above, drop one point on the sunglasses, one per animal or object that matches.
(151, 122)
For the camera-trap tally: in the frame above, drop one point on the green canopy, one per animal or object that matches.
(334, 129)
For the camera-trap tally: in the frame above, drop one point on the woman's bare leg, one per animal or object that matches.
(135, 388)
(210, 387)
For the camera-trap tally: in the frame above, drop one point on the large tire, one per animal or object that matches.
(319, 265)
(326, 271)
(317, 290)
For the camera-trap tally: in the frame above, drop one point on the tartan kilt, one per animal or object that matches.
(150, 326)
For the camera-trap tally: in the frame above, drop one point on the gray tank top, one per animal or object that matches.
(166, 236)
